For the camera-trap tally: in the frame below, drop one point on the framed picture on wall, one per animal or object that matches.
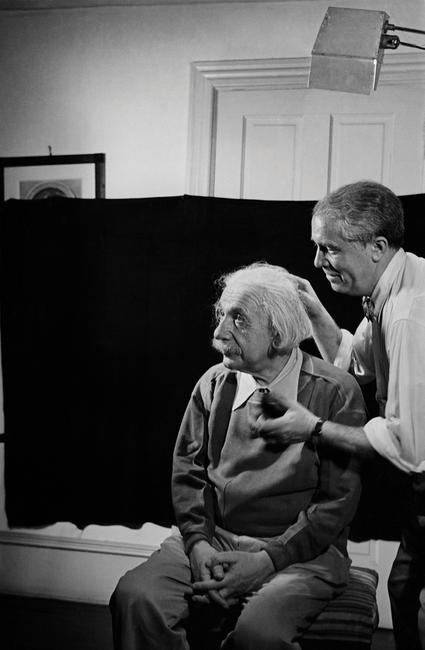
(41, 177)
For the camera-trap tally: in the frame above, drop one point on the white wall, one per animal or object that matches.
(117, 80)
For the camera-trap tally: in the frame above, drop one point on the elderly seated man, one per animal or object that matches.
(262, 528)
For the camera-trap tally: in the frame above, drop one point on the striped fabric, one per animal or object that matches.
(352, 616)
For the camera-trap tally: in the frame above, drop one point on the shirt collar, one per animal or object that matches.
(388, 279)
(285, 383)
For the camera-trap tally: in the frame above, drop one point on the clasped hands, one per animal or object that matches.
(223, 577)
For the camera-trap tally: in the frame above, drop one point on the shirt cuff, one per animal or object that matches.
(343, 355)
(386, 444)
(278, 555)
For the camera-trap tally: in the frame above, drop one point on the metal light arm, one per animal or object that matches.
(396, 28)
(392, 41)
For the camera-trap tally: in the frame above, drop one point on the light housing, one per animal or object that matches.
(348, 52)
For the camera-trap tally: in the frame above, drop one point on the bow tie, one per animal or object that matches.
(368, 308)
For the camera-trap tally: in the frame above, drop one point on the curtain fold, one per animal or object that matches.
(106, 320)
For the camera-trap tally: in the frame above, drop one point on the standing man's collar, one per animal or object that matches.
(387, 280)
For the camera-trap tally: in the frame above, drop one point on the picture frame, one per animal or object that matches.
(39, 177)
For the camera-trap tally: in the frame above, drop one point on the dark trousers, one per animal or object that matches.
(406, 583)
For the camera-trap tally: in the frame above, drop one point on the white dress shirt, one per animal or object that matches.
(399, 297)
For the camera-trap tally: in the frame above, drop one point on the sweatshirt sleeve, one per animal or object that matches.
(192, 493)
(325, 522)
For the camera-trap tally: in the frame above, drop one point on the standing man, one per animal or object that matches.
(358, 232)
(263, 527)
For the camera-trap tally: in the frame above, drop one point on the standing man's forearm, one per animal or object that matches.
(326, 332)
(298, 424)
(327, 335)
(353, 440)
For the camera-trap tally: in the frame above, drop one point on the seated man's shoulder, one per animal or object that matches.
(217, 372)
(333, 387)
(321, 369)
(215, 377)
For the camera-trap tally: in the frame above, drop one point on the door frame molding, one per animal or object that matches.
(210, 78)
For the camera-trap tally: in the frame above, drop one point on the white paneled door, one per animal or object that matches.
(257, 132)
(297, 144)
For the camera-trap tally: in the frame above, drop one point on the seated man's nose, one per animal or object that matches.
(222, 329)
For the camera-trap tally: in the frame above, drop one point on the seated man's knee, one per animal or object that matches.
(131, 591)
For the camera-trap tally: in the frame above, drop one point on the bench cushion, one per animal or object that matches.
(352, 616)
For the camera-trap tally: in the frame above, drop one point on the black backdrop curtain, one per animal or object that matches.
(106, 322)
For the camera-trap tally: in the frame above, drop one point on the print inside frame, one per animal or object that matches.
(40, 177)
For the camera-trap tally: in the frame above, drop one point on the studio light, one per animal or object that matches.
(349, 49)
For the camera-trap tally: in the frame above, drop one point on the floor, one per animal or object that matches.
(42, 624)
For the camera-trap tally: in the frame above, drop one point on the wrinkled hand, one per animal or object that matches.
(244, 572)
(296, 425)
(205, 567)
(309, 297)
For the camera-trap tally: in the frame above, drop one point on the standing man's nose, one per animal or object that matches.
(319, 258)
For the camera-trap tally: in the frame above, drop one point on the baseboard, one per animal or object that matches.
(17, 538)
(79, 570)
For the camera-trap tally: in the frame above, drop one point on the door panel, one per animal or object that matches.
(298, 144)
(279, 140)
(361, 147)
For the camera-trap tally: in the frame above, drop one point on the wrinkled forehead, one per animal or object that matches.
(237, 295)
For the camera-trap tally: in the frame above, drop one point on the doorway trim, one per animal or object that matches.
(210, 78)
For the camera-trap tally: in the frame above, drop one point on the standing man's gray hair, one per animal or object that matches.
(366, 210)
(274, 292)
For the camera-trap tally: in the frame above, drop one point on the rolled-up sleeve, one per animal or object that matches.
(355, 353)
(400, 435)
(344, 355)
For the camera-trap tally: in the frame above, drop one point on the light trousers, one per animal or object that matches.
(151, 606)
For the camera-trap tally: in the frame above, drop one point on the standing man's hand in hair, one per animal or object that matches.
(326, 332)
(309, 297)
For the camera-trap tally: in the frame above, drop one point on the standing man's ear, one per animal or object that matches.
(379, 248)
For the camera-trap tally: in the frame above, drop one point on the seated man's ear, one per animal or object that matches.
(276, 344)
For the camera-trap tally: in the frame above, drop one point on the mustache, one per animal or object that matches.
(225, 348)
